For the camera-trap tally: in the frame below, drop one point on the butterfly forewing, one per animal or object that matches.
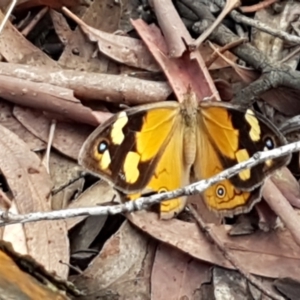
(126, 149)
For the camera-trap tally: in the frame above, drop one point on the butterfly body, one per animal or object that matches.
(156, 147)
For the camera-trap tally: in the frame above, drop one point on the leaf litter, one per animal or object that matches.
(77, 77)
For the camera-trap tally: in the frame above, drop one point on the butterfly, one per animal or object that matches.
(158, 147)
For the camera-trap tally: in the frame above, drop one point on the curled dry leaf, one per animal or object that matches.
(185, 73)
(288, 287)
(99, 193)
(30, 186)
(67, 178)
(284, 99)
(101, 14)
(123, 49)
(60, 25)
(273, 254)
(130, 254)
(14, 47)
(85, 234)
(63, 170)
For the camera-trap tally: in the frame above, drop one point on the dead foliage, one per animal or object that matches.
(66, 67)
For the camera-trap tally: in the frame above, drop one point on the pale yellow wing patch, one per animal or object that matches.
(117, 134)
(255, 132)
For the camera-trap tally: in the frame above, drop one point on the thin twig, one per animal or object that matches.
(49, 145)
(239, 18)
(273, 73)
(231, 258)
(34, 21)
(8, 13)
(228, 7)
(258, 6)
(290, 55)
(216, 54)
(144, 202)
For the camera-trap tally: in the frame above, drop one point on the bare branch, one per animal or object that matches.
(144, 202)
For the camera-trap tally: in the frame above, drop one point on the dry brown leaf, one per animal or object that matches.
(84, 234)
(185, 73)
(124, 261)
(99, 193)
(30, 185)
(60, 25)
(288, 185)
(175, 275)
(63, 197)
(63, 170)
(14, 47)
(273, 254)
(10, 122)
(123, 49)
(68, 138)
(79, 53)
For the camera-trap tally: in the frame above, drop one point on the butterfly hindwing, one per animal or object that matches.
(236, 135)
(227, 136)
(223, 198)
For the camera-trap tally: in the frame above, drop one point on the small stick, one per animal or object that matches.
(216, 54)
(229, 6)
(11, 8)
(34, 21)
(7, 218)
(258, 6)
